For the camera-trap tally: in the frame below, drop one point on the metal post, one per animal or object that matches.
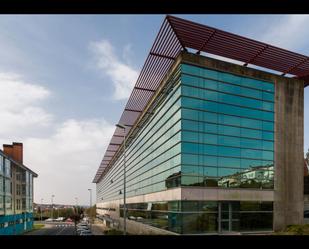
(219, 217)
(124, 179)
(90, 191)
(41, 209)
(52, 202)
(124, 187)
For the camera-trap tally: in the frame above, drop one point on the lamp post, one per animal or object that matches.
(52, 202)
(121, 126)
(41, 208)
(90, 192)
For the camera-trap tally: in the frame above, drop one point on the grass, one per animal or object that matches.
(35, 227)
(38, 226)
(295, 230)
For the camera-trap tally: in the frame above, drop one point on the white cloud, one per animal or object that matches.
(19, 110)
(122, 75)
(65, 154)
(67, 160)
(289, 31)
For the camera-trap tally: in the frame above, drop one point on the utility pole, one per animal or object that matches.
(41, 209)
(52, 202)
(121, 126)
(90, 206)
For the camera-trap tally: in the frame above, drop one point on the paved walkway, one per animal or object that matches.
(98, 228)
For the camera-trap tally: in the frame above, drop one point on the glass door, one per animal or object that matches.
(228, 217)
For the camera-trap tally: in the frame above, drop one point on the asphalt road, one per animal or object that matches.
(55, 228)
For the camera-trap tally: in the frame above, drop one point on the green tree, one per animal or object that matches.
(78, 214)
(307, 157)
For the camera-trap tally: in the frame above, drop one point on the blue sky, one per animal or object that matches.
(59, 74)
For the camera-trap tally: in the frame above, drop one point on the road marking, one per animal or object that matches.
(60, 231)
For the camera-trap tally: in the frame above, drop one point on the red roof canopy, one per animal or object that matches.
(177, 34)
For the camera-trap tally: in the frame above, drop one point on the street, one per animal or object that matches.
(55, 228)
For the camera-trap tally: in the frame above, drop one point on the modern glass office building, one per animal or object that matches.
(16, 192)
(204, 155)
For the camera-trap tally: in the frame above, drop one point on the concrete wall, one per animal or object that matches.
(215, 194)
(289, 172)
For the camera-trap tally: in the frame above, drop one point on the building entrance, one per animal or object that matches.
(228, 217)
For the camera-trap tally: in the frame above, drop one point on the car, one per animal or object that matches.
(79, 230)
(82, 230)
(59, 219)
(82, 225)
(85, 233)
(49, 219)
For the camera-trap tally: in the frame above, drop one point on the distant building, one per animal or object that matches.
(16, 191)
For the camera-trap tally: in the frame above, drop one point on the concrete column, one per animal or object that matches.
(289, 146)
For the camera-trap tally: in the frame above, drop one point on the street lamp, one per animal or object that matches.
(52, 202)
(121, 126)
(90, 192)
(41, 208)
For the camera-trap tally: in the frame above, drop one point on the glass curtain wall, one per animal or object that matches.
(200, 217)
(227, 130)
(153, 156)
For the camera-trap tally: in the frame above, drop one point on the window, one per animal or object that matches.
(8, 203)
(7, 166)
(1, 165)
(7, 186)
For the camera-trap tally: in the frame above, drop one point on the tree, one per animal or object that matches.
(91, 212)
(307, 157)
(78, 214)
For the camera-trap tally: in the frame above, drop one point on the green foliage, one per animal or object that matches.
(91, 212)
(298, 229)
(295, 230)
(46, 213)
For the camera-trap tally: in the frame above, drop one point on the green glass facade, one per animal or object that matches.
(153, 156)
(211, 129)
(227, 130)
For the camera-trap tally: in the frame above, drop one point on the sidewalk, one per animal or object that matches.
(98, 228)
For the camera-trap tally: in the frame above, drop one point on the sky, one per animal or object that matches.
(65, 79)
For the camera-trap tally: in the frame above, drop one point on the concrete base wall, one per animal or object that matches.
(289, 161)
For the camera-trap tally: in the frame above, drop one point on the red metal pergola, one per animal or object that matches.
(177, 34)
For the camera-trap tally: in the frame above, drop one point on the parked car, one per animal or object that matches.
(82, 230)
(79, 232)
(49, 219)
(85, 233)
(59, 219)
(82, 225)
(69, 220)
